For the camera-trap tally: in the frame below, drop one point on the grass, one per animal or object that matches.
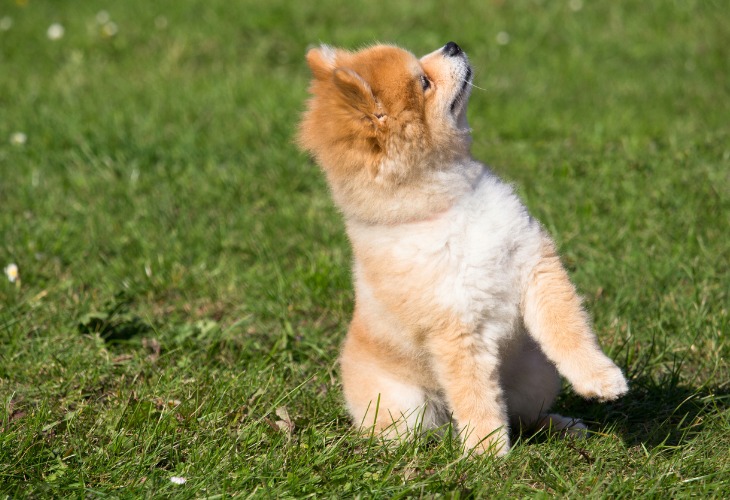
(184, 277)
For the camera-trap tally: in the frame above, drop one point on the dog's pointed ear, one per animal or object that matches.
(355, 90)
(321, 61)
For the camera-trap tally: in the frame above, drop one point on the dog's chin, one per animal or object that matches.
(460, 101)
(461, 122)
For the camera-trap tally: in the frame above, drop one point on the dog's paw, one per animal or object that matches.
(604, 384)
(496, 443)
(567, 426)
(577, 430)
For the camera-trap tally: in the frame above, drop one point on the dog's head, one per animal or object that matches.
(383, 116)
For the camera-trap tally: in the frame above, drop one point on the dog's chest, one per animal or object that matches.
(468, 261)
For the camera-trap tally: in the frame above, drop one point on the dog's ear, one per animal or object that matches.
(352, 87)
(355, 90)
(321, 61)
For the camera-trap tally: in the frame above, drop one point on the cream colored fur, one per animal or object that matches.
(463, 311)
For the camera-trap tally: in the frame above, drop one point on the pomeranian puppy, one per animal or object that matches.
(463, 310)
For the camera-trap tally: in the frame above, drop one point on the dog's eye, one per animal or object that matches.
(425, 83)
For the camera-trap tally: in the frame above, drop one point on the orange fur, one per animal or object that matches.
(351, 135)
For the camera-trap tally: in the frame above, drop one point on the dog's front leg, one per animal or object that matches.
(555, 318)
(468, 371)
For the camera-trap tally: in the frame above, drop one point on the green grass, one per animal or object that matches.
(185, 277)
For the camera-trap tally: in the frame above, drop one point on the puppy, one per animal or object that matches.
(463, 310)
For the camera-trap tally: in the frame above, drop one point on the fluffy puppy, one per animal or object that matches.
(463, 310)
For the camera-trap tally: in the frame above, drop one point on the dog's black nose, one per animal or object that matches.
(451, 49)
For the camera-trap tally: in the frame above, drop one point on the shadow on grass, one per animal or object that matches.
(654, 412)
(114, 322)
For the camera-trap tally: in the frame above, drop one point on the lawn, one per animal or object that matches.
(183, 277)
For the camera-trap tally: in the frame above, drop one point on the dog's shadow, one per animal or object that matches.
(655, 412)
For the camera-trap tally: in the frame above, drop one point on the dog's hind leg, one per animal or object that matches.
(382, 392)
(555, 318)
(529, 380)
(531, 384)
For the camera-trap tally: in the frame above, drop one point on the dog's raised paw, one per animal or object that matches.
(605, 384)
